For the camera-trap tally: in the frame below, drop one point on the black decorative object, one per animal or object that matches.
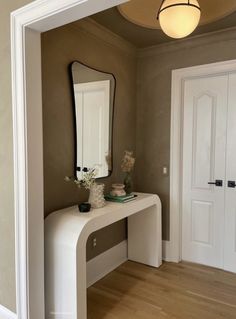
(84, 207)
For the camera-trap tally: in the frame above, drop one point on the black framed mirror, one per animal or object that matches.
(94, 98)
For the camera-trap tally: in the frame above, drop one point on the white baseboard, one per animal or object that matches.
(165, 245)
(6, 313)
(167, 252)
(101, 265)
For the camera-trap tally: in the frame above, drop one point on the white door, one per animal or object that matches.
(204, 161)
(230, 199)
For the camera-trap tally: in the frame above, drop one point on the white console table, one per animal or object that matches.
(66, 234)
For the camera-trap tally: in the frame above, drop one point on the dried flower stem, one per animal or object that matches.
(128, 162)
(87, 181)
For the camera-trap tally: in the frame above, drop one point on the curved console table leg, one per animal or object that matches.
(144, 236)
(81, 280)
(66, 234)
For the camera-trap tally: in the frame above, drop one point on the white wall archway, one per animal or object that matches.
(27, 24)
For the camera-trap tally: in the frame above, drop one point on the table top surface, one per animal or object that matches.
(70, 222)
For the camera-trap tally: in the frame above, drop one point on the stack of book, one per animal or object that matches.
(120, 199)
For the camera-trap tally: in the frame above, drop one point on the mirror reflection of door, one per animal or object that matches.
(94, 93)
(92, 113)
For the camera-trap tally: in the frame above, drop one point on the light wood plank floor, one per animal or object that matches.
(174, 291)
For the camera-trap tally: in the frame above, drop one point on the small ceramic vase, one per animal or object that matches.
(96, 196)
(118, 190)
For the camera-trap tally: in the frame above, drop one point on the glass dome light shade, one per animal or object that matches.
(179, 18)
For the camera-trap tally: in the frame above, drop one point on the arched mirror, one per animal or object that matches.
(94, 94)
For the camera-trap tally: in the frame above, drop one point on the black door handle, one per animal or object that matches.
(231, 184)
(218, 183)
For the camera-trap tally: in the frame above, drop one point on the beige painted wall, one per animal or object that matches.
(105, 52)
(154, 102)
(7, 250)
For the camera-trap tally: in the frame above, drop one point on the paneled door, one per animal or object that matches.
(230, 193)
(204, 164)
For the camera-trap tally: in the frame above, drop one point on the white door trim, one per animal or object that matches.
(26, 25)
(6, 313)
(172, 248)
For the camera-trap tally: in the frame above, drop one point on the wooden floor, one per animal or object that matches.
(174, 291)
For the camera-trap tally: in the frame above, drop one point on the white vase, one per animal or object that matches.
(96, 196)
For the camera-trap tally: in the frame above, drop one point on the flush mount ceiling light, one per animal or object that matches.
(144, 12)
(179, 18)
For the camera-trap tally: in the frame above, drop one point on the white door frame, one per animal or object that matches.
(172, 248)
(27, 23)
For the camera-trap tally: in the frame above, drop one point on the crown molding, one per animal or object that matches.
(97, 31)
(188, 43)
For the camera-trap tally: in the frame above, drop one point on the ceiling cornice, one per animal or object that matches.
(190, 42)
(96, 30)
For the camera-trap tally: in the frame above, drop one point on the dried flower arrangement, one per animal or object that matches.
(88, 179)
(128, 162)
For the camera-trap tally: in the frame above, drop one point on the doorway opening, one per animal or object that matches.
(193, 228)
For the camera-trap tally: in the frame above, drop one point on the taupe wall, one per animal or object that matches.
(152, 107)
(7, 249)
(59, 48)
(154, 102)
